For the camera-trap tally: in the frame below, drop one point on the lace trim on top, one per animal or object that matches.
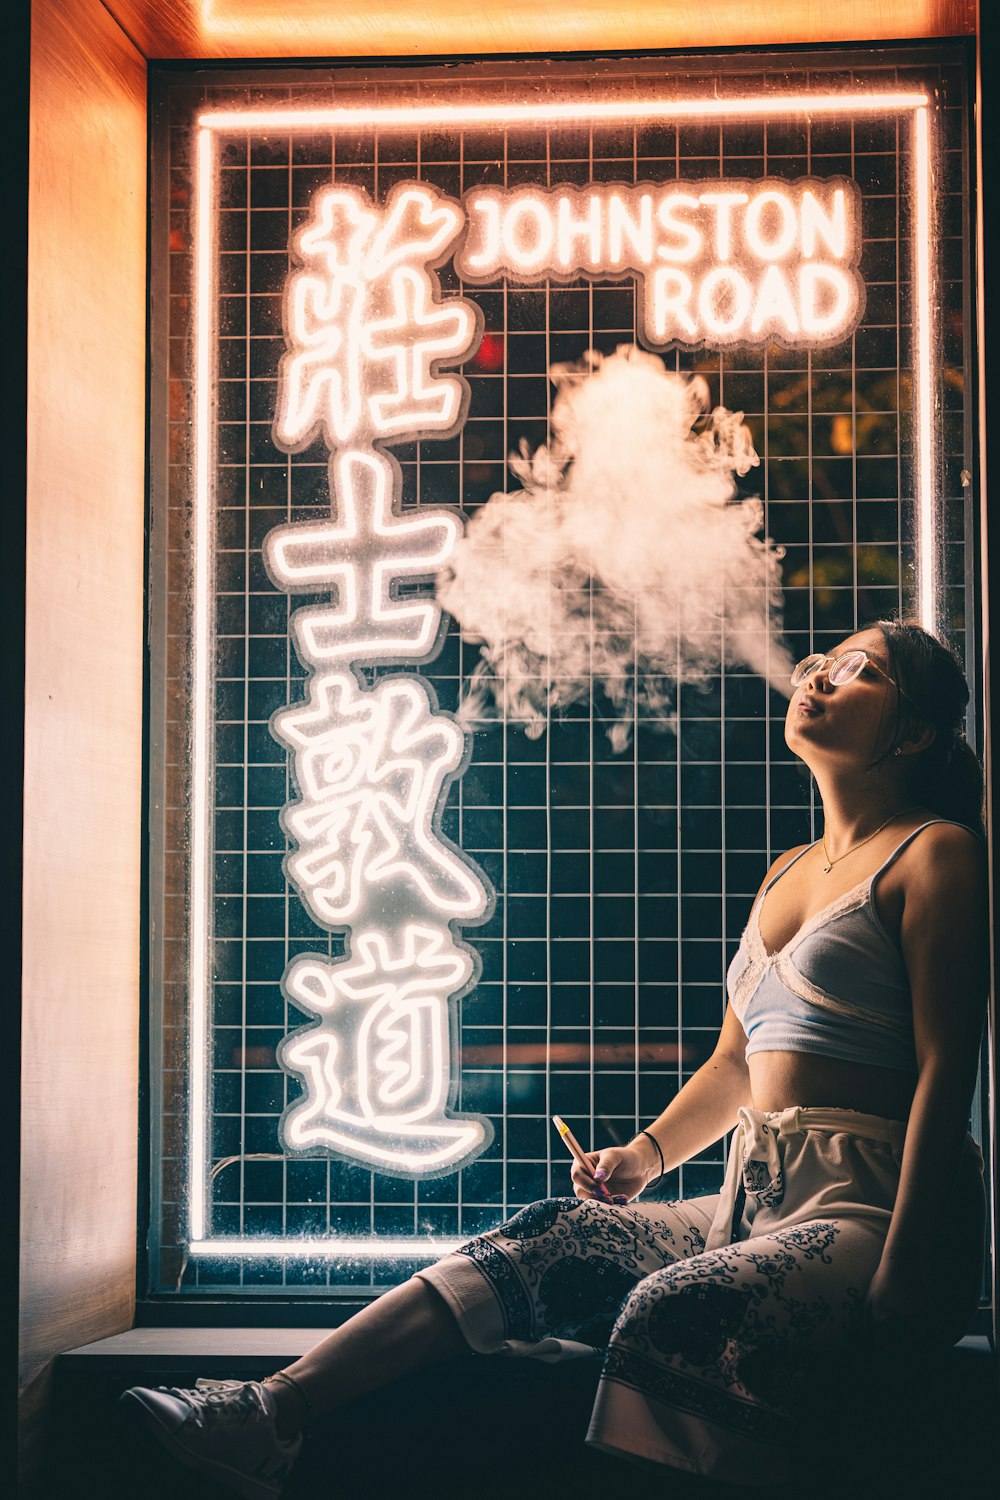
(759, 961)
(806, 990)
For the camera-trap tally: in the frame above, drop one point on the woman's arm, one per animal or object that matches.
(708, 1104)
(944, 939)
(704, 1109)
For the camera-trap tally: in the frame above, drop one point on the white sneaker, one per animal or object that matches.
(226, 1428)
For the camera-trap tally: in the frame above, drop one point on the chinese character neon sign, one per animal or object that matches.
(366, 330)
(351, 377)
(365, 326)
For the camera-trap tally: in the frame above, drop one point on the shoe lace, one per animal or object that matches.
(224, 1407)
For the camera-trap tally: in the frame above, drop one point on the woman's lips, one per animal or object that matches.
(810, 710)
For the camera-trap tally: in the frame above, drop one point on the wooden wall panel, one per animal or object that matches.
(83, 667)
(399, 28)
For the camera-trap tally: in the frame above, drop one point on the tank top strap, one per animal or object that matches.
(784, 869)
(904, 843)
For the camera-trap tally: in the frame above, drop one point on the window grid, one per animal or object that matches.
(699, 813)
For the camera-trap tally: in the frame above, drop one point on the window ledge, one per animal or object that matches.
(241, 1351)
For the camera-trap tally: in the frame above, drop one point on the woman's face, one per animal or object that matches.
(853, 724)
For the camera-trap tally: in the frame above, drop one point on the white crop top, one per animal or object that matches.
(838, 987)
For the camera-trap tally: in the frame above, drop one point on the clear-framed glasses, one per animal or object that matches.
(843, 669)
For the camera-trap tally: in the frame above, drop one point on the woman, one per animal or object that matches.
(846, 1063)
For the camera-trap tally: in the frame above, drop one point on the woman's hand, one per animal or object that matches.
(625, 1173)
(899, 1305)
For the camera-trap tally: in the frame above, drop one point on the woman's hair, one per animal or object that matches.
(946, 776)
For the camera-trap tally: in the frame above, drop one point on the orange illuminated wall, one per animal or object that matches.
(83, 670)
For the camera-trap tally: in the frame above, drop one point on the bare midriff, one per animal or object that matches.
(779, 1080)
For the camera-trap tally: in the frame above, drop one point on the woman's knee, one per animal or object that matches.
(672, 1313)
(549, 1218)
(542, 1217)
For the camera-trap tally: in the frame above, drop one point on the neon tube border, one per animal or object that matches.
(213, 123)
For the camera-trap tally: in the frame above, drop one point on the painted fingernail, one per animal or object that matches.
(619, 1198)
(600, 1174)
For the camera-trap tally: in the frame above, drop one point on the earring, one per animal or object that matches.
(898, 750)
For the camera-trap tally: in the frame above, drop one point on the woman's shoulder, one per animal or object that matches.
(940, 853)
(940, 838)
(942, 886)
(781, 864)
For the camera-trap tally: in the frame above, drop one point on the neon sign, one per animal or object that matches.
(721, 262)
(366, 326)
(389, 1012)
(353, 377)
(366, 329)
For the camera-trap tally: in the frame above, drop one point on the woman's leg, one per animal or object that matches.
(246, 1434)
(549, 1281)
(552, 1278)
(698, 1373)
(400, 1331)
(556, 1271)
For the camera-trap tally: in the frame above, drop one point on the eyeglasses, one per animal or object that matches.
(843, 669)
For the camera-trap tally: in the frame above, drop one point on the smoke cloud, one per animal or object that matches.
(624, 566)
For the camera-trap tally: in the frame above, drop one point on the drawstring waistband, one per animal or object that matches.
(755, 1164)
(759, 1166)
(798, 1119)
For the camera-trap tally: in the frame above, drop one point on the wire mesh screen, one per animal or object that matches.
(623, 877)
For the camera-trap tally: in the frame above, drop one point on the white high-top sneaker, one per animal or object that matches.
(226, 1428)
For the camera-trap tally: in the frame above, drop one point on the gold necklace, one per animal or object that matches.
(831, 862)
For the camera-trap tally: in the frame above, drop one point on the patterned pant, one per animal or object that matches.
(681, 1295)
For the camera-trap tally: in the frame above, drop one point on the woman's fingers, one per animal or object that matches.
(592, 1181)
(616, 1172)
(584, 1181)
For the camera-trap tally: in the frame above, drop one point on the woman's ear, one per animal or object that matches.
(919, 738)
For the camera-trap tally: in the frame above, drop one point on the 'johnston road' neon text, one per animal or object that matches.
(721, 261)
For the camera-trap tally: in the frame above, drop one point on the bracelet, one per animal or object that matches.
(295, 1385)
(659, 1152)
